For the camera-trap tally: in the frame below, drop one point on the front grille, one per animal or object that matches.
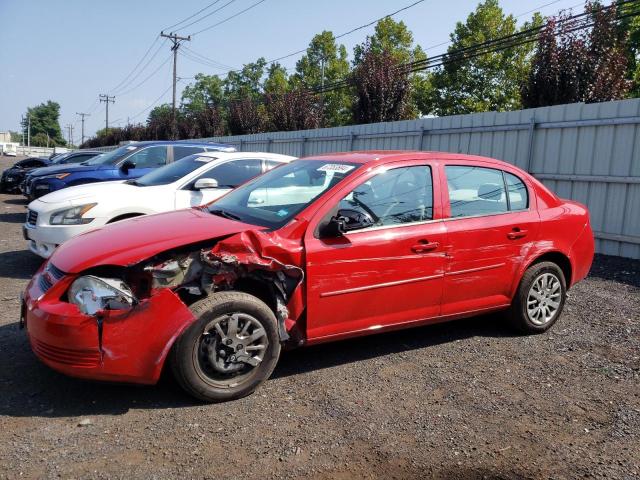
(55, 272)
(32, 217)
(44, 283)
(67, 356)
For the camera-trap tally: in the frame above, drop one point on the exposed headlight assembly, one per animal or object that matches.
(92, 294)
(72, 216)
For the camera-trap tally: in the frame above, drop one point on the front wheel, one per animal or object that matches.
(539, 300)
(230, 349)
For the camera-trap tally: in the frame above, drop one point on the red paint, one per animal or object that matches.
(367, 281)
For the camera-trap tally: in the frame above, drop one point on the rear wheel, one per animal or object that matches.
(230, 349)
(540, 298)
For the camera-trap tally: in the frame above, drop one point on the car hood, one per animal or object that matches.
(79, 194)
(131, 241)
(70, 168)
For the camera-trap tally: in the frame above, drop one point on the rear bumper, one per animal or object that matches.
(581, 254)
(120, 347)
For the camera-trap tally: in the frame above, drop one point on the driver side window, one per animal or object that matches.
(394, 197)
(150, 157)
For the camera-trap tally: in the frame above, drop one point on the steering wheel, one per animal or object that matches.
(362, 205)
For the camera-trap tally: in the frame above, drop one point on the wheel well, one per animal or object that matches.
(559, 259)
(261, 290)
(124, 217)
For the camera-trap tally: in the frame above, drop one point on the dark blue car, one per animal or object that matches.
(124, 163)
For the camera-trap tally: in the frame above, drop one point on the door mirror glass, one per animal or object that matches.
(127, 165)
(347, 220)
(204, 183)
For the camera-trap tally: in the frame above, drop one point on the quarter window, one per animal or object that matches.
(394, 197)
(182, 151)
(518, 195)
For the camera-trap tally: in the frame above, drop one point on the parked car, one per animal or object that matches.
(14, 176)
(317, 250)
(124, 163)
(191, 181)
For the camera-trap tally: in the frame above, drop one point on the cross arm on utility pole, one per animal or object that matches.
(106, 98)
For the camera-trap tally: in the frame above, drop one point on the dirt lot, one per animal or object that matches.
(459, 400)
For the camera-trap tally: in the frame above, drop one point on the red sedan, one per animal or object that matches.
(317, 250)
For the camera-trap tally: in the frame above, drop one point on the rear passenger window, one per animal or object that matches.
(182, 151)
(518, 195)
(475, 191)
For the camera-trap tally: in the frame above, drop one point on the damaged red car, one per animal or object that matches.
(317, 250)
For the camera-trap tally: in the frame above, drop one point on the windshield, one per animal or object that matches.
(172, 172)
(112, 157)
(274, 198)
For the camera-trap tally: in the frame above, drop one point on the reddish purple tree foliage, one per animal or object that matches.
(245, 117)
(382, 88)
(294, 110)
(578, 65)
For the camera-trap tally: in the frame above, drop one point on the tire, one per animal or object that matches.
(530, 313)
(206, 367)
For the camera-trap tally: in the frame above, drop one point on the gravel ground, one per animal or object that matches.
(459, 400)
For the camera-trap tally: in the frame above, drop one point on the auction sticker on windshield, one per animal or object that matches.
(335, 167)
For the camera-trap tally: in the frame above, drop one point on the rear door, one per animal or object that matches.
(384, 275)
(489, 234)
(181, 151)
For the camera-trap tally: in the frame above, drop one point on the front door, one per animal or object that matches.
(383, 275)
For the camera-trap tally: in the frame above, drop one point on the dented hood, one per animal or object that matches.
(134, 240)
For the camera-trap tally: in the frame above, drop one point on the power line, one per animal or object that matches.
(207, 15)
(133, 79)
(208, 59)
(191, 16)
(137, 65)
(152, 104)
(177, 41)
(126, 92)
(229, 18)
(199, 61)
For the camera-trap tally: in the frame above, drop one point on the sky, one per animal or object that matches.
(69, 51)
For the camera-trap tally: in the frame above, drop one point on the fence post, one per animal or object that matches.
(422, 132)
(302, 143)
(269, 140)
(241, 142)
(351, 138)
(532, 133)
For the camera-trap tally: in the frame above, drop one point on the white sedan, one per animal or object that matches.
(194, 180)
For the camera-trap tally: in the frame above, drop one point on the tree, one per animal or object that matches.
(293, 110)
(247, 83)
(325, 62)
(45, 120)
(160, 123)
(277, 81)
(382, 88)
(629, 27)
(245, 116)
(207, 90)
(395, 38)
(491, 81)
(577, 65)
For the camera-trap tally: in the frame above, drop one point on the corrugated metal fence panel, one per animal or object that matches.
(586, 152)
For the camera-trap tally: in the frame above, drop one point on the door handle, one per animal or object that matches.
(516, 233)
(424, 246)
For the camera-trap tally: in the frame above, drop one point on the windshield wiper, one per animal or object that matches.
(225, 214)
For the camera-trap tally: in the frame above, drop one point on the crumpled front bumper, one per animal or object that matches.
(121, 347)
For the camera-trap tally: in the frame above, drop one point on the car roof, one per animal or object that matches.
(178, 143)
(245, 154)
(375, 157)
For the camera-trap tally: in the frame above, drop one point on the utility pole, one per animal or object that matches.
(22, 124)
(106, 99)
(322, 84)
(70, 131)
(29, 130)
(82, 115)
(175, 39)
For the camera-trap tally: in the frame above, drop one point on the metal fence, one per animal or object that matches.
(586, 152)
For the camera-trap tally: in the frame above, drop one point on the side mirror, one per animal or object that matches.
(346, 220)
(127, 165)
(204, 183)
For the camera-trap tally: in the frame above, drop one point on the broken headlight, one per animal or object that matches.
(72, 216)
(92, 294)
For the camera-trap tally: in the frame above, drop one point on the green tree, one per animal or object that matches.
(630, 28)
(45, 119)
(396, 39)
(323, 51)
(159, 122)
(277, 81)
(206, 91)
(491, 81)
(247, 83)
